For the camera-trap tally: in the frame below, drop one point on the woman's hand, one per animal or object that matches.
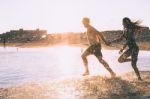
(121, 51)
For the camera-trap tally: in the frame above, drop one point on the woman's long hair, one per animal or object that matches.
(128, 24)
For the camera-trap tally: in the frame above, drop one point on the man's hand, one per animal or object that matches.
(83, 32)
(121, 51)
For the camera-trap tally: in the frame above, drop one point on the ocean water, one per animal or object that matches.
(27, 65)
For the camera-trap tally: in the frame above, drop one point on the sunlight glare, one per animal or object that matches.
(66, 58)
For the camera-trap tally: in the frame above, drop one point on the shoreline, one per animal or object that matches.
(142, 46)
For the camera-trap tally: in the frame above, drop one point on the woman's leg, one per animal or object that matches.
(124, 56)
(134, 57)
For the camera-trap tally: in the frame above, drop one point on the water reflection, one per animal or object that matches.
(59, 62)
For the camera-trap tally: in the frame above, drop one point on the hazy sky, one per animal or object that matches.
(66, 15)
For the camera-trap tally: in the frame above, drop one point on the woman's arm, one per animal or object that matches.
(118, 39)
(124, 46)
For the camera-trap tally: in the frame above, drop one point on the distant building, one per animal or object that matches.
(24, 35)
(37, 31)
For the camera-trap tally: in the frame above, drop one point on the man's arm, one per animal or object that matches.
(100, 36)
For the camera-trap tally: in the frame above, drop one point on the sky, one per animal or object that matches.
(57, 16)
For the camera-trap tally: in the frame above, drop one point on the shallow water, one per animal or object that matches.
(25, 65)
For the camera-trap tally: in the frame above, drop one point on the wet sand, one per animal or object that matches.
(90, 87)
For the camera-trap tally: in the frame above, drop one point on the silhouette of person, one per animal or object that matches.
(130, 29)
(94, 38)
(4, 42)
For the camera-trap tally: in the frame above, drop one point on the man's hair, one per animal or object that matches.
(86, 19)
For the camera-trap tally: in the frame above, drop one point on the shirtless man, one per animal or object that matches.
(94, 38)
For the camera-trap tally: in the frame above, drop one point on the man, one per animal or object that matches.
(94, 38)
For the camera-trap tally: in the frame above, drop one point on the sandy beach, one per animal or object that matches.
(90, 87)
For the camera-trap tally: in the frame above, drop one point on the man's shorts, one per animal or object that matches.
(93, 49)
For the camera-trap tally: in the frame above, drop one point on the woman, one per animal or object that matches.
(129, 34)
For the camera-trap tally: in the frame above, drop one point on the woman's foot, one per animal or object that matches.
(113, 75)
(140, 79)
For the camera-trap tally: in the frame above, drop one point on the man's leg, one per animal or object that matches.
(85, 62)
(105, 64)
(124, 57)
(134, 63)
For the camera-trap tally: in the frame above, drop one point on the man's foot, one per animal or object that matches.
(85, 73)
